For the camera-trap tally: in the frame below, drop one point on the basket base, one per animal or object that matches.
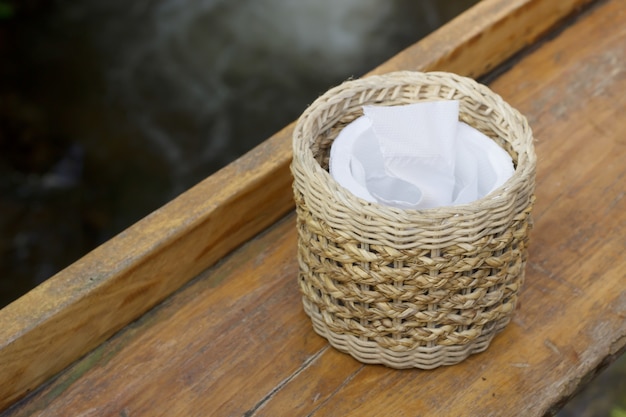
(422, 357)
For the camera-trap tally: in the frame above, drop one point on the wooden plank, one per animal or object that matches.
(483, 37)
(232, 332)
(83, 305)
(73, 312)
(236, 342)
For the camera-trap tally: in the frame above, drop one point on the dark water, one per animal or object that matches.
(109, 109)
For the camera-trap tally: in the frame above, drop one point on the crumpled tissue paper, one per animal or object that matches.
(417, 156)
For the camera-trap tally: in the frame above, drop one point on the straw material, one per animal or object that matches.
(410, 288)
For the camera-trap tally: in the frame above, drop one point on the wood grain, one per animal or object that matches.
(74, 311)
(483, 37)
(79, 308)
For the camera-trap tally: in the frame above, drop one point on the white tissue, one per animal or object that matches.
(417, 156)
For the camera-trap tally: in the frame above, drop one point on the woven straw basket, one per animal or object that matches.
(410, 288)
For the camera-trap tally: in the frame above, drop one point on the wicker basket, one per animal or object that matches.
(410, 288)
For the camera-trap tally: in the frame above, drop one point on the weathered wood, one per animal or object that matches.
(74, 311)
(483, 37)
(236, 342)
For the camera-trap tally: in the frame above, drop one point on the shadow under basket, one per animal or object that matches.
(410, 288)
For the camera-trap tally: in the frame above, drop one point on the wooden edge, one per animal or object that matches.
(484, 36)
(74, 311)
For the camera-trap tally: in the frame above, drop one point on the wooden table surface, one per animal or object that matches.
(235, 340)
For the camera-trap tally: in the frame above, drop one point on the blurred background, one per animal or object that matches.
(109, 109)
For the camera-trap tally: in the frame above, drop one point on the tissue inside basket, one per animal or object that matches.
(417, 156)
(328, 130)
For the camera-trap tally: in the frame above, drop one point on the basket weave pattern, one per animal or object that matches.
(410, 288)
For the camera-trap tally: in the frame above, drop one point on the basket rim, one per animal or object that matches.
(304, 161)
